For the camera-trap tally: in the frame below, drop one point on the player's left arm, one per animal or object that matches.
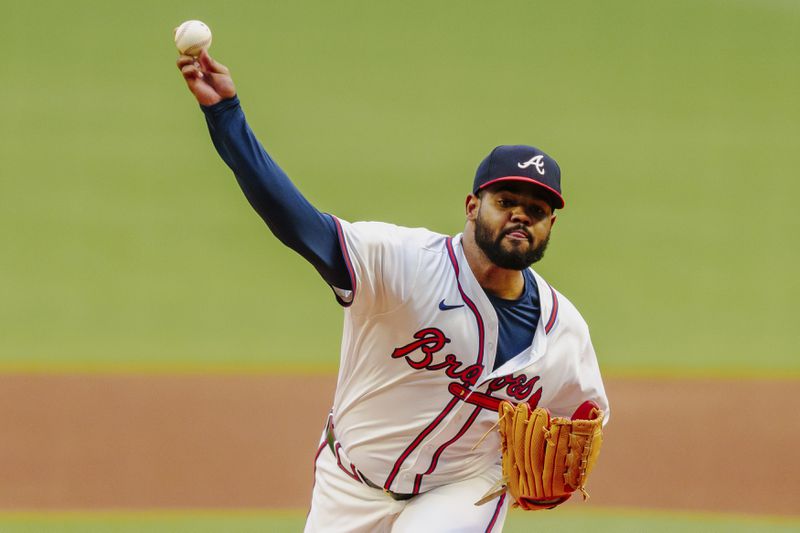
(583, 381)
(591, 381)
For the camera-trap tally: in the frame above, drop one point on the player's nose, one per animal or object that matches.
(519, 215)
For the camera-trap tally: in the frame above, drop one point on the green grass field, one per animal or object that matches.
(127, 245)
(619, 521)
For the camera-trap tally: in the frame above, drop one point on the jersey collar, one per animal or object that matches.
(548, 318)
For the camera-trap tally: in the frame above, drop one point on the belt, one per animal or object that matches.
(399, 496)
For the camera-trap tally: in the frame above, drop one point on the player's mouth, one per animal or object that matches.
(518, 235)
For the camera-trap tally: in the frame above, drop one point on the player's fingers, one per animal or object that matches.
(213, 77)
(185, 60)
(211, 65)
(191, 72)
(222, 83)
(206, 95)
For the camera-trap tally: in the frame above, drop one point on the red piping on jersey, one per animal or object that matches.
(347, 262)
(316, 456)
(470, 303)
(553, 312)
(322, 446)
(353, 473)
(411, 447)
(438, 453)
(416, 442)
(496, 513)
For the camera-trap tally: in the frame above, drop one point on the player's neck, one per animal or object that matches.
(500, 282)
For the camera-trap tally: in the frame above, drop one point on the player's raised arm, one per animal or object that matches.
(289, 215)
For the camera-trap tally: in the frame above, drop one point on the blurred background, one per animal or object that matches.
(130, 261)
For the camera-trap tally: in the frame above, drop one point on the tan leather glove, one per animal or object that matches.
(545, 460)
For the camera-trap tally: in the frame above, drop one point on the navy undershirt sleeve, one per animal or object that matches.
(288, 214)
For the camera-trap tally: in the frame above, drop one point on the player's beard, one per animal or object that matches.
(511, 259)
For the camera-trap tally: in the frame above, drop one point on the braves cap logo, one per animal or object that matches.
(537, 161)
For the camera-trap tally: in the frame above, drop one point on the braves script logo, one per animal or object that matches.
(419, 354)
(537, 161)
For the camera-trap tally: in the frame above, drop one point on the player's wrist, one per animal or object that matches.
(221, 106)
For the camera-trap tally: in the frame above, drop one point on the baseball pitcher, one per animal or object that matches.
(466, 383)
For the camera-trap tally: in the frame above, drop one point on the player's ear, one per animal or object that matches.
(471, 206)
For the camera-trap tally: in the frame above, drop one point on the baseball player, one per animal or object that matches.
(437, 331)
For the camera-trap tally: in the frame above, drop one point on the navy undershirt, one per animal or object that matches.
(516, 320)
(301, 227)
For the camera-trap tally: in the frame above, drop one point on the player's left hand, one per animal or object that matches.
(209, 80)
(545, 460)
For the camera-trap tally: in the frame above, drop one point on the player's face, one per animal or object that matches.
(512, 225)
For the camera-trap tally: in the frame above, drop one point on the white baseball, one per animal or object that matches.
(191, 37)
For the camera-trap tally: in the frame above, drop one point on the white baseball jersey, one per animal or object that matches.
(416, 390)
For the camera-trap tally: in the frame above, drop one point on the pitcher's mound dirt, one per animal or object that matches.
(101, 442)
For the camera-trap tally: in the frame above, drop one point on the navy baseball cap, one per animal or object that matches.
(521, 163)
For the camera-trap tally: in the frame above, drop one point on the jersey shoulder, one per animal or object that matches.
(384, 261)
(387, 234)
(560, 308)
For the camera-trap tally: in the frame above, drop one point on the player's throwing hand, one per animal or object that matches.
(209, 81)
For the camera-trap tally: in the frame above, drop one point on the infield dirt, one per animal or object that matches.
(131, 442)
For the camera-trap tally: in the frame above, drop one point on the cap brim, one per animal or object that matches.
(558, 200)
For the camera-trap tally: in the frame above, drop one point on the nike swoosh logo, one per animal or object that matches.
(444, 307)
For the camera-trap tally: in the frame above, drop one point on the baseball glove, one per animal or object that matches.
(546, 459)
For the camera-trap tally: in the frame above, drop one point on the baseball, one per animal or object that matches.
(191, 37)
